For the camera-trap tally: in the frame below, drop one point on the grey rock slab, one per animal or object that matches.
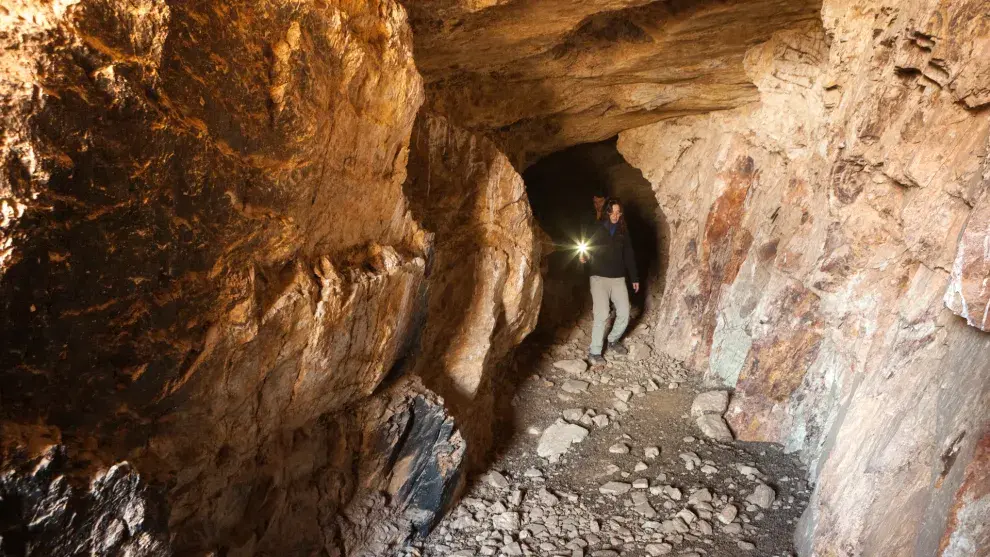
(497, 480)
(507, 521)
(573, 414)
(571, 366)
(614, 488)
(657, 549)
(557, 438)
(700, 496)
(619, 448)
(713, 426)
(575, 386)
(712, 402)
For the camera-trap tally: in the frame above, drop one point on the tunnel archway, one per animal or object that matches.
(560, 188)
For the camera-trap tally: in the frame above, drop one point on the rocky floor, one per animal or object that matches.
(615, 460)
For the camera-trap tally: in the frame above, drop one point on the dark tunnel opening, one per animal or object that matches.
(560, 188)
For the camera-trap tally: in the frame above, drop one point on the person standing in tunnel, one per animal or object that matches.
(610, 255)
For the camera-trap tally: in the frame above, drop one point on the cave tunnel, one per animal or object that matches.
(560, 187)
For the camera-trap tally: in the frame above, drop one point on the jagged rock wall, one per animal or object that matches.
(209, 270)
(824, 244)
(541, 76)
(484, 276)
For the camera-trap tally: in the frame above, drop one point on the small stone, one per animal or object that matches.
(656, 549)
(732, 529)
(672, 492)
(687, 516)
(512, 549)
(620, 406)
(533, 473)
(712, 402)
(651, 452)
(709, 469)
(547, 498)
(674, 526)
(573, 414)
(612, 469)
(497, 480)
(745, 546)
(747, 470)
(713, 426)
(614, 488)
(558, 438)
(601, 420)
(575, 386)
(763, 496)
(705, 528)
(507, 521)
(641, 483)
(700, 496)
(728, 514)
(619, 448)
(638, 352)
(640, 466)
(623, 394)
(571, 366)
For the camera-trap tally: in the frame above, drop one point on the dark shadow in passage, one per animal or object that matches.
(560, 188)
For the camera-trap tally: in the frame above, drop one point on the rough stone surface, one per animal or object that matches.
(557, 438)
(42, 509)
(817, 237)
(484, 288)
(507, 68)
(572, 366)
(711, 402)
(216, 197)
(713, 426)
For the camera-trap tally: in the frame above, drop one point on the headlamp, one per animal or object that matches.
(582, 247)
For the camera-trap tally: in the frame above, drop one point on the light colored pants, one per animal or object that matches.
(602, 290)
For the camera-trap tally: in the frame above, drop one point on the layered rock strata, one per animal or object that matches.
(209, 273)
(484, 283)
(823, 245)
(541, 76)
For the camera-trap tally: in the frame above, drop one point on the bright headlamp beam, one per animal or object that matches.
(582, 247)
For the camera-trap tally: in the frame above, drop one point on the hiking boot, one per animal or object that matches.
(617, 348)
(596, 359)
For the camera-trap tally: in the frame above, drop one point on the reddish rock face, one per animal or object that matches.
(967, 531)
(968, 294)
(829, 319)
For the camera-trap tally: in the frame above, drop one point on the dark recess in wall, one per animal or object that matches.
(560, 188)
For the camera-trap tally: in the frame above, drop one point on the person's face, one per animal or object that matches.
(615, 213)
(599, 202)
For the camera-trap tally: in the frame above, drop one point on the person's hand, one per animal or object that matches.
(636, 287)
(583, 258)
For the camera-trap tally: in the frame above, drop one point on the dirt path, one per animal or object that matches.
(689, 500)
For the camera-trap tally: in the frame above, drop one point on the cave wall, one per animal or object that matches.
(824, 264)
(209, 270)
(485, 286)
(541, 76)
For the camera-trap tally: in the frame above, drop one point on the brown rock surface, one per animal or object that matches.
(812, 240)
(484, 284)
(207, 259)
(541, 76)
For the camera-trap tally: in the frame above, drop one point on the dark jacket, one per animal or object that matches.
(611, 255)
